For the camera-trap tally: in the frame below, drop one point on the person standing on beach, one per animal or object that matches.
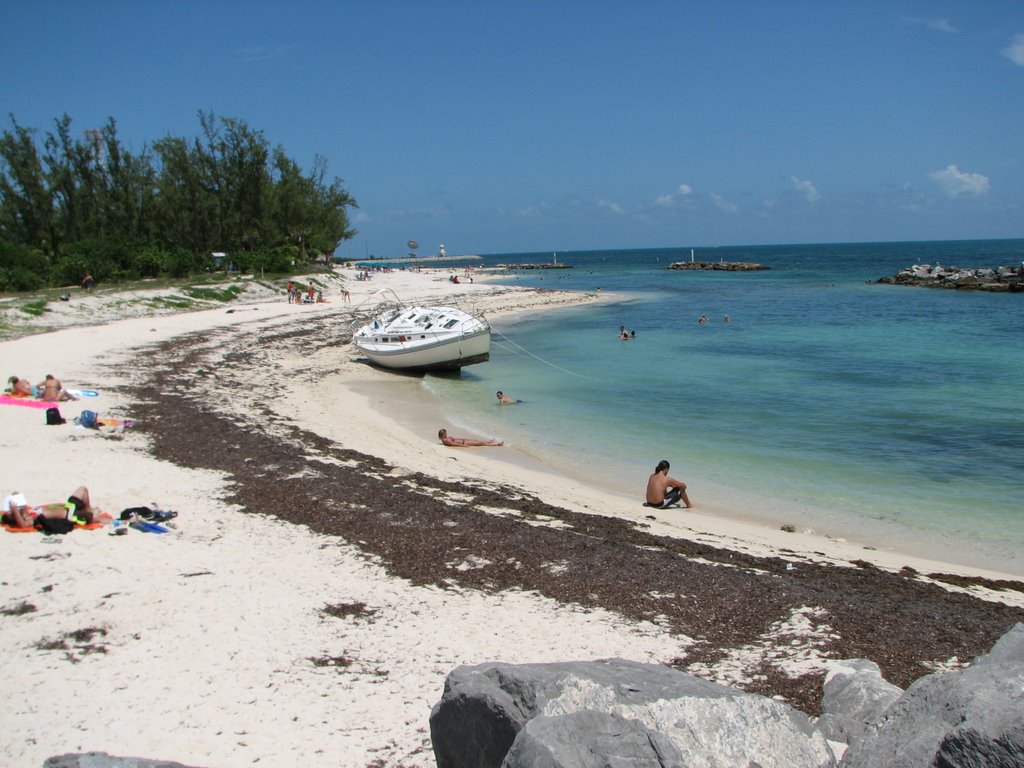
(459, 442)
(664, 491)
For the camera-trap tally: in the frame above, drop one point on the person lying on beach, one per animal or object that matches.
(53, 391)
(15, 511)
(20, 387)
(664, 491)
(504, 399)
(78, 508)
(459, 442)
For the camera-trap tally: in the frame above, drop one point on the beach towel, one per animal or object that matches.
(83, 393)
(26, 401)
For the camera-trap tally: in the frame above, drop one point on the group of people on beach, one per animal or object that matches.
(662, 491)
(311, 296)
(15, 511)
(49, 390)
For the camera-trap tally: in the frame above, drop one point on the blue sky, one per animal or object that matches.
(540, 126)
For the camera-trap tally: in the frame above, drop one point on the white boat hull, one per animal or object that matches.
(424, 339)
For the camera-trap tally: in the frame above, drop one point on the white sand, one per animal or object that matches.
(210, 630)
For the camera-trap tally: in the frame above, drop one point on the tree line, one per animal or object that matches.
(75, 206)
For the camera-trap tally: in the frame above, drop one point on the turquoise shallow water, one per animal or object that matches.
(890, 415)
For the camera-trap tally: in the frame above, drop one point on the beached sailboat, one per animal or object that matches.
(418, 338)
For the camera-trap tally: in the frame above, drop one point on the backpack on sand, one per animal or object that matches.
(53, 416)
(87, 419)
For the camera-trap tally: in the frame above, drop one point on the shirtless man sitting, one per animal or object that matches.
(459, 442)
(664, 491)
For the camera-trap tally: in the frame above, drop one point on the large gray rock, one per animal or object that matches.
(485, 709)
(103, 760)
(1008, 649)
(590, 740)
(855, 696)
(967, 718)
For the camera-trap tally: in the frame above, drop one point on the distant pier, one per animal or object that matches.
(534, 266)
(721, 266)
(995, 280)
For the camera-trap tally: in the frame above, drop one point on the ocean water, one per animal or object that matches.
(890, 415)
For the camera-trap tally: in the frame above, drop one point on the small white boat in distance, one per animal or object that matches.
(417, 338)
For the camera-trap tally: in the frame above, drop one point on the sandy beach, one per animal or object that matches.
(332, 562)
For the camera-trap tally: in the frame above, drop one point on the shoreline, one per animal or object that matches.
(333, 562)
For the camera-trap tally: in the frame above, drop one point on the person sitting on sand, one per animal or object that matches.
(504, 399)
(664, 491)
(459, 442)
(20, 387)
(53, 391)
(15, 511)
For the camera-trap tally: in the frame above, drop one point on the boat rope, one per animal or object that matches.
(536, 357)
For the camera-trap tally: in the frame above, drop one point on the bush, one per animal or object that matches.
(20, 279)
(21, 268)
(150, 261)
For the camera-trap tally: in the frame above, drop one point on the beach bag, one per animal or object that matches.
(87, 419)
(53, 416)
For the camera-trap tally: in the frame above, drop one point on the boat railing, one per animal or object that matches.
(389, 305)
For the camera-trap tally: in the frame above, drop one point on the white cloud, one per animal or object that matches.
(806, 188)
(670, 199)
(534, 210)
(723, 204)
(939, 25)
(611, 206)
(957, 183)
(1015, 52)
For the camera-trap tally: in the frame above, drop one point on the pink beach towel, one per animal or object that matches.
(31, 403)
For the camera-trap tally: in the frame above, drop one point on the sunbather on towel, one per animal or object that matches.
(20, 387)
(78, 508)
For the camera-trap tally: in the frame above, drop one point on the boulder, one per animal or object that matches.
(485, 710)
(969, 717)
(1008, 649)
(855, 696)
(591, 739)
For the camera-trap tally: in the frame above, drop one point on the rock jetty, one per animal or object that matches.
(586, 714)
(722, 266)
(1000, 279)
(535, 266)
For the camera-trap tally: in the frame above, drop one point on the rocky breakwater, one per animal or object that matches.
(534, 266)
(721, 266)
(1000, 279)
(617, 712)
